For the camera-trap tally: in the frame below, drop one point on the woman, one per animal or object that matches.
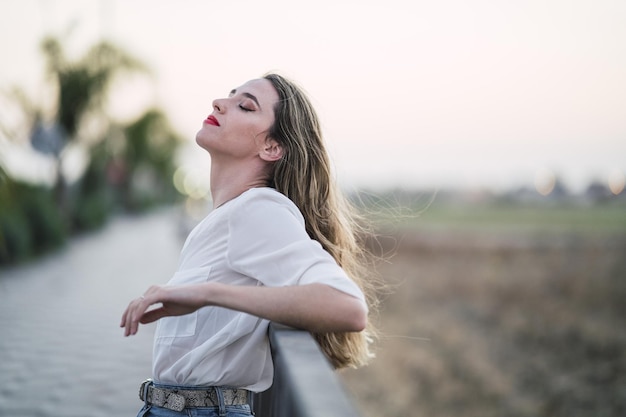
(280, 244)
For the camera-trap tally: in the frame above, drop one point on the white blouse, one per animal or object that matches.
(257, 239)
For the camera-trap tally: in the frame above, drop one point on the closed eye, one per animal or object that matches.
(246, 95)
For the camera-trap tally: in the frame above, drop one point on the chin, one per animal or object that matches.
(201, 141)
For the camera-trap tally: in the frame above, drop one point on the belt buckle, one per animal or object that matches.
(143, 389)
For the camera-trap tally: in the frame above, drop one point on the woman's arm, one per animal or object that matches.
(317, 308)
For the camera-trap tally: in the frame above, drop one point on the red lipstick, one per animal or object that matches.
(211, 120)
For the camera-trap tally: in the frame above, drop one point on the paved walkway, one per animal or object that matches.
(62, 352)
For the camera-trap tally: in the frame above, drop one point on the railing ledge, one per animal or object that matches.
(305, 385)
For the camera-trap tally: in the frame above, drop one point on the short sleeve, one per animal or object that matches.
(268, 242)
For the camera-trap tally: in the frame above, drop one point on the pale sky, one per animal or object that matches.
(457, 93)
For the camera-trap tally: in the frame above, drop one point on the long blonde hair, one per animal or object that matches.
(304, 175)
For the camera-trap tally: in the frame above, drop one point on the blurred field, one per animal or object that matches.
(501, 311)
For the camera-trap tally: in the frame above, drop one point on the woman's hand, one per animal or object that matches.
(175, 301)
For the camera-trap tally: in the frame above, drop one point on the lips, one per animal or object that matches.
(211, 120)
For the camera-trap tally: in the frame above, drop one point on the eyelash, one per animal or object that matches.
(245, 108)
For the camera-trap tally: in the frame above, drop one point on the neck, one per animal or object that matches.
(231, 180)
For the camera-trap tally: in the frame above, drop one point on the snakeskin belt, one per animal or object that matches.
(178, 399)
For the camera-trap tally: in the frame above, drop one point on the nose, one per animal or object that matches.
(218, 105)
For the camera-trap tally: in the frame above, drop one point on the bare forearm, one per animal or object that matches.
(314, 307)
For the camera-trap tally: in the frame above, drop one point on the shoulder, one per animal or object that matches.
(260, 202)
(262, 220)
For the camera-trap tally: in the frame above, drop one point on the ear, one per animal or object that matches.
(271, 150)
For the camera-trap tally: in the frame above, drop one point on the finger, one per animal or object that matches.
(137, 312)
(123, 320)
(132, 324)
(128, 322)
(125, 315)
(130, 319)
(126, 318)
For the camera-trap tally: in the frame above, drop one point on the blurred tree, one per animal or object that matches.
(94, 202)
(30, 222)
(148, 160)
(597, 192)
(133, 162)
(81, 87)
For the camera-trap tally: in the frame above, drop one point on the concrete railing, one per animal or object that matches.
(305, 385)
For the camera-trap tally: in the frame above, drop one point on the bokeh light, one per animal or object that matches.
(617, 181)
(191, 184)
(545, 180)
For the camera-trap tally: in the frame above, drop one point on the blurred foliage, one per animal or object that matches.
(93, 202)
(30, 221)
(83, 83)
(130, 165)
(82, 86)
(150, 143)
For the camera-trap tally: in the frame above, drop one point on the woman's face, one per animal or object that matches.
(239, 123)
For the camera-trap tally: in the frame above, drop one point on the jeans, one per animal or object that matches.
(222, 410)
(229, 411)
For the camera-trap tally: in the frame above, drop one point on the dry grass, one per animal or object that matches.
(500, 324)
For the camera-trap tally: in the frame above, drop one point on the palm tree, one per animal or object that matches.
(81, 86)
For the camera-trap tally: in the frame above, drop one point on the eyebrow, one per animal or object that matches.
(250, 96)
